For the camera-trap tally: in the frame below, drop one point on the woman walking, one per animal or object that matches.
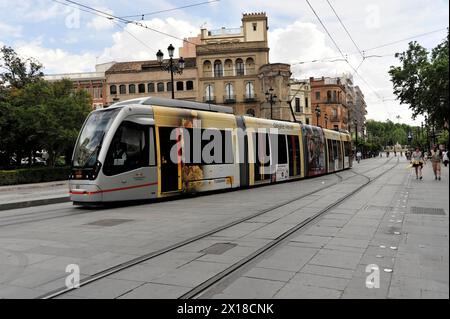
(445, 157)
(436, 162)
(417, 162)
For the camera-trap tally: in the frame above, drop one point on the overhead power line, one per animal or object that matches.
(348, 33)
(172, 9)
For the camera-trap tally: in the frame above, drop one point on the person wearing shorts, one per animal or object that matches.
(436, 162)
(417, 162)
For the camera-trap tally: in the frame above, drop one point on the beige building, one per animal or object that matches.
(300, 97)
(128, 80)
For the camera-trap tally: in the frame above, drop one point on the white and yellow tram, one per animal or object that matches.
(153, 147)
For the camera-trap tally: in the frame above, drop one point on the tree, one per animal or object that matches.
(17, 72)
(422, 81)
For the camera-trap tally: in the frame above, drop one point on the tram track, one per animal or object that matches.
(146, 257)
(223, 275)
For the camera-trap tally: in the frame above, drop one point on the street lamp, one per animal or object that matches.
(326, 120)
(171, 67)
(271, 98)
(317, 110)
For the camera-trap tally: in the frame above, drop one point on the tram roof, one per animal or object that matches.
(158, 101)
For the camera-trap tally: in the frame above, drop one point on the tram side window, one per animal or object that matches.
(330, 154)
(262, 153)
(129, 149)
(282, 156)
(294, 155)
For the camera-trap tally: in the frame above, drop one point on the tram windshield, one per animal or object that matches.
(91, 138)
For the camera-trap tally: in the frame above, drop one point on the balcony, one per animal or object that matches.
(209, 99)
(249, 98)
(229, 99)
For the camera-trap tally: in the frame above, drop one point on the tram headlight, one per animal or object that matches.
(96, 170)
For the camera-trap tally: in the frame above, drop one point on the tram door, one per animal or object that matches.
(170, 174)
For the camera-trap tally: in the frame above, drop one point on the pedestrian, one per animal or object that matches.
(358, 156)
(436, 162)
(425, 157)
(445, 157)
(417, 162)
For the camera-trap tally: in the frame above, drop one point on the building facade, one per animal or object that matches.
(93, 82)
(128, 80)
(300, 98)
(329, 96)
(360, 111)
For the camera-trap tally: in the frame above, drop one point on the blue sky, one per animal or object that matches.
(65, 39)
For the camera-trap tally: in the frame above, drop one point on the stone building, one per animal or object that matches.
(328, 94)
(360, 111)
(128, 80)
(300, 98)
(93, 82)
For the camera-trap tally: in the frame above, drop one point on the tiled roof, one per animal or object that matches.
(138, 66)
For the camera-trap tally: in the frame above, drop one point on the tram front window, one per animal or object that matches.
(91, 138)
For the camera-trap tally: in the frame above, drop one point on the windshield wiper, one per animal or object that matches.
(96, 150)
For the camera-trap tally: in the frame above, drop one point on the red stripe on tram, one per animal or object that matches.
(112, 189)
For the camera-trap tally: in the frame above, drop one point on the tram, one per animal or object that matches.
(153, 147)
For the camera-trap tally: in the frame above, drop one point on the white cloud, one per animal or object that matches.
(100, 23)
(57, 60)
(9, 30)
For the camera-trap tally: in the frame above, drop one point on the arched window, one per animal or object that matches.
(328, 96)
(229, 92)
(209, 93)
(189, 85)
(334, 97)
(251, 112)
(218, 69)
(240, 67)
(228, 67)
(113, 89)
(250, 66)
(169, 86)
(141, 88)
(249, 90)
(207, 69)
(122, 89)
(132, 88)
(180, 86)
(160, 87)
(151, 87)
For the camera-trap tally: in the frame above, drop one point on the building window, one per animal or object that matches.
(240, 67)
(169, 86)
(249, 66)
(229, 92)
(228, 67)
(207, 70)
(249, 90)
(132, 88)
(160, 87)
(180, 86)
(306, 102)
(297, 105)
(254, 26)
(113, 89)
(307, 121)
(122, 89)
(318, 95)
(218, 69)
(328, 96)
(209, 93)
(97, 92)
(251, 112)
(151, 87)
(141, 88)
(189, 85)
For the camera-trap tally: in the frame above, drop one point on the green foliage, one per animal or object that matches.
(33, 175)
(38, 115)
(388, 133)
(422, 81)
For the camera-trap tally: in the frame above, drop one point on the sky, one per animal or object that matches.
(66, 39)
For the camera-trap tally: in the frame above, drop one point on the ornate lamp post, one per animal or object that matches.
(271, 98)
(317, 110)
(171, 67)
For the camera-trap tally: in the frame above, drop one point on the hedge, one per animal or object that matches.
(33, 175)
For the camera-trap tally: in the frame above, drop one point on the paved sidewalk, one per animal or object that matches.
(398, 224)
(26, 195)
